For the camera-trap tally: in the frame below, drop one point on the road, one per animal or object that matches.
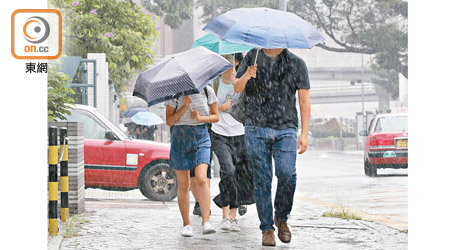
(337, 180)
(333, 181)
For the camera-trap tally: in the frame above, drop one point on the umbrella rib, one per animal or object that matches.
(287, 41)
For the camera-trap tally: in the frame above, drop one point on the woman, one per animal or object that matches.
(236, 181)
(190, 149)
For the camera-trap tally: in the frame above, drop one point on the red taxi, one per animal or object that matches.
(386, 144)
(113, 160)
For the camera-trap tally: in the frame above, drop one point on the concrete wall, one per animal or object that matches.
(183, 37)
(105, 90)
(102, 82)
(76, 166)
(114, 112)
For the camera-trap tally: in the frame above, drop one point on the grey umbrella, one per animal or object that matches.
(180, 74)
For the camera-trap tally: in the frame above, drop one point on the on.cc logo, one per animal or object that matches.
(36, 34)
(40, 30)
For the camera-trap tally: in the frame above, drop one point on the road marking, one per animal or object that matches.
(400, 225)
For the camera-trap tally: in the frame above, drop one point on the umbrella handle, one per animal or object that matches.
(234, 62)
(256, 57)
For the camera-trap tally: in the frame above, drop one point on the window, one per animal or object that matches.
(392, 123)
(91, 128)
(371, 124)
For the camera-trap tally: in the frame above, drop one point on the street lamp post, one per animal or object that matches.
(362, 90)
(214, 8)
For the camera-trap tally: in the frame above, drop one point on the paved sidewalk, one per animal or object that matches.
(123, 220)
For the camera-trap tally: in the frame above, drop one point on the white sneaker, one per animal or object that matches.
(226, 224)
(188, 231)
(208, 228)
(234, 226)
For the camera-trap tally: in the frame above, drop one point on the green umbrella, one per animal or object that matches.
(214, 44)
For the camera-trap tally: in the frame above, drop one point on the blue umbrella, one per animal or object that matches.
(146, 118)
(213, 43)
(185, 73)
(265, 28)
(133, 111)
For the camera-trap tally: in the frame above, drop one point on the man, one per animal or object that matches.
(271, 124)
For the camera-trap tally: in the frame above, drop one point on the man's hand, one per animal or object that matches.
(233, 77)
(251, 71)
(302, 143)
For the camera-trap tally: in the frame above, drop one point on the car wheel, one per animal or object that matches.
(158, 182)
(366, 168)
(372, 170)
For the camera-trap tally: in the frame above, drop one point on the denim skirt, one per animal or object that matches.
(190, 146)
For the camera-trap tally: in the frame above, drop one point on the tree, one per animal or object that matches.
(388, 79)
(120, 29)
(59, 103)
(374, 27)
(172, 11)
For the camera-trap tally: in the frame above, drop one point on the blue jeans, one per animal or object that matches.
(263, 144)
(190, 146)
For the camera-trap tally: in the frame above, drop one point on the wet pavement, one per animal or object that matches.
(338, 180)
(126, 220)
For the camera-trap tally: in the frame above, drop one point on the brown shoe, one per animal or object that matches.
(268, 238)
(283, 231)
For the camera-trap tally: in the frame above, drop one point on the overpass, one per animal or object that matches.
(341, 85)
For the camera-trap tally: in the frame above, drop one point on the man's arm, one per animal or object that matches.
(240, 83)
(305, 113)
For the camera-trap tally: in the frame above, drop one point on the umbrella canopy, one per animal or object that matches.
(146, 118)
(213, 43)
(185, 73)
(133, 111)
(265, 28)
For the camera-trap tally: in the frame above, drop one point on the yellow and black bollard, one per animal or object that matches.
(52, 180)
(64, 176)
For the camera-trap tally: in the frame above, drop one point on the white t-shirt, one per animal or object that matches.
(227, 125)
(198, 102)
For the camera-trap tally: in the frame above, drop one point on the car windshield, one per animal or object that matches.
(110, 125)
(392, 124)
(92, 128)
